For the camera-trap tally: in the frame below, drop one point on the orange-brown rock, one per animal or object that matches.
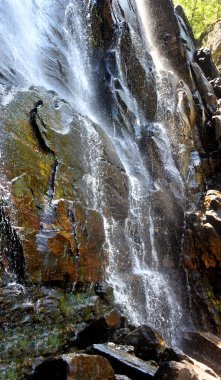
(84, 367)
(42, 182)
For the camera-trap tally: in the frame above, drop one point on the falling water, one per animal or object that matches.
(46, 43)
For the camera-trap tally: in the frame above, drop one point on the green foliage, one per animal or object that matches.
(201, 14)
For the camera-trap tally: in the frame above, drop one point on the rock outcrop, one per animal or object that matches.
(134, 187)
(62, 238)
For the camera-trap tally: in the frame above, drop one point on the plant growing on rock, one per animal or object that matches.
(202, 14)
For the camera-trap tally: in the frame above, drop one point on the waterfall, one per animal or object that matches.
(46, 43)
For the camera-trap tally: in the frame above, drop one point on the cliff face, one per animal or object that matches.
(109, 168)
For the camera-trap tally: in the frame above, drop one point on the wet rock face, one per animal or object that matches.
(45, 195)
(141, 82)
(12, 258)
(166, 30)
(120, 64)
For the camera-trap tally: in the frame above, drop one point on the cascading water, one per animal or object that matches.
(53, 50)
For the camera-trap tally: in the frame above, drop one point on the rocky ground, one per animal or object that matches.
(109, 348)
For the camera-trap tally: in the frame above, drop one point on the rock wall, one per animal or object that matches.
(52, 223)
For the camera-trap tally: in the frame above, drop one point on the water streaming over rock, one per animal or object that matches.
(50, 43)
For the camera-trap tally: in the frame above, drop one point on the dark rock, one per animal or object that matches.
(140, 81)
(12, 256)
(147, 343)
(74, 367)
(205, 89)
(51, 369)
(119, 335)
(179, 9)
(204, 59)
(216, 83)
(173, 354)
(99, 331)
(126, 364)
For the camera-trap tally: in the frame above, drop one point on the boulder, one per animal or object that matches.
(51, 369)
(205, 347)
(84, 367)
(185, 371)
(99, 330)
(146, 344)
(126, 364)
(75, 367)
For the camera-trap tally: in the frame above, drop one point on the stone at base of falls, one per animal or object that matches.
(74, 367)
(148, 344)
(126, 364)
(99, 330)
(185, 371)
(50, 369)
(84, 367)
(205, 347)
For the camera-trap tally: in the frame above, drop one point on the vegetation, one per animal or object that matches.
(202, 14)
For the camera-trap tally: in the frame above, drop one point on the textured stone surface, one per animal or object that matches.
(203, 256)
(126, 364)
(75, 367)
(205, 61)
(213, 40)
(147, 343)
(94, 367)
(43, 163)
(185, 371)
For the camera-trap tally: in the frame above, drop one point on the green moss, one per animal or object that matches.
(10, 374)
(210, 293)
